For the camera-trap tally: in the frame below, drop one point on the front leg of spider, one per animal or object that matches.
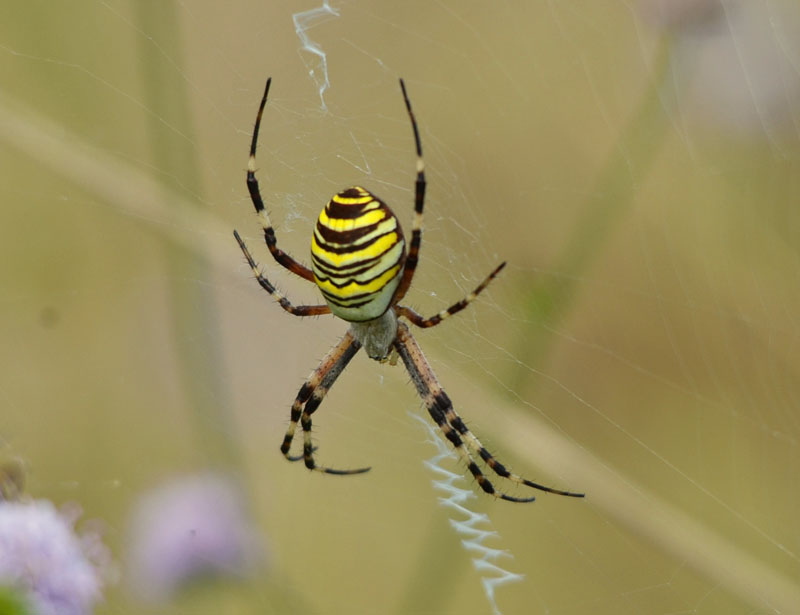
(360, 265)
(452, 426)
(310, 397)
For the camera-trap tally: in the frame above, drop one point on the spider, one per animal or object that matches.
(360, 265)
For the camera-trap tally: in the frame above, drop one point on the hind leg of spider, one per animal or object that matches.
(296, 310)
(310, 397)
(419, 203)
(434, 320)
(279, 255)
(437, 404)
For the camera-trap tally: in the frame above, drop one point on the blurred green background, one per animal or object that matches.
(646, 325)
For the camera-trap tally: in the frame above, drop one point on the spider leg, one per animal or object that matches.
(434, 320)
(439, 406)
(419, 203)
(300, 456)
(255, 195)
(498, 468)
(297, 310)
(310, 397)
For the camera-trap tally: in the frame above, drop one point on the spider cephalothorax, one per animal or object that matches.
(359, 263)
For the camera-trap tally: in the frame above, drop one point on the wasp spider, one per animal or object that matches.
(360, 265)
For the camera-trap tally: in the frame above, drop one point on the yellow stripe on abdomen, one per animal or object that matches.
(357, 254)
(346, 260)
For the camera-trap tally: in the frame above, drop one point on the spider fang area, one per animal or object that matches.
(376, 336)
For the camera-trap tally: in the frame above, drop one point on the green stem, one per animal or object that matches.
(549, 299)
(193, 311)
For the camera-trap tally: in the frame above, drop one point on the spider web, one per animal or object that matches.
(636, 163)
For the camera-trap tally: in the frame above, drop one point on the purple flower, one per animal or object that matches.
(42, 557)
(679, 13)
(192, 526)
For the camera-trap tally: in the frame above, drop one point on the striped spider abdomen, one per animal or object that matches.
(359, 263)
(357, 255)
